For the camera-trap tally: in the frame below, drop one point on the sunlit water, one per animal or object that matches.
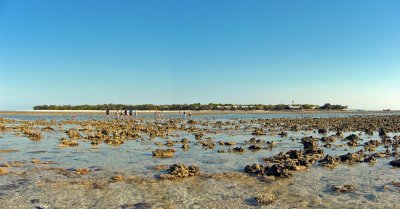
(310, 188)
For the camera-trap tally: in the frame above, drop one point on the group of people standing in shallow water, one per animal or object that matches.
(122, 115)
(186, 113)
(133, 114)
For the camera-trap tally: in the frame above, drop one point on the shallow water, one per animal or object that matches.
(205, 116)
(30, 187)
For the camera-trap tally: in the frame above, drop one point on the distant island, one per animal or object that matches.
(194, 106)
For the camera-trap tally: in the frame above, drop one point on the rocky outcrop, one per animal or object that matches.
(330, 161)
(285, 164)
(177, 171)
(68, 143)
(345, 188)
(258, 132)
(351, 158)
(265, 199)
(164, 153)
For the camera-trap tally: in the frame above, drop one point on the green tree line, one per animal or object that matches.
(194, 106)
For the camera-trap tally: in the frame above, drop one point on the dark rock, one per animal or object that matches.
(237, 149)
(344, 188)
(395, 163)
(309, 142)
(258, 132)
(322, 130)
(352, 137)
(351, 158)
(339, 134)
(256, 169)
(370, 159)
(382, 132)
(35, 201)
(352, 143)
(283, 134)
(279, 170)
(330, 161)
(255, 147)
(328, 139)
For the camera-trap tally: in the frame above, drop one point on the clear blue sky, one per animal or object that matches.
(162, 52)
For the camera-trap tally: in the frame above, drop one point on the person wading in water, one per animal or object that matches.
(107, 114)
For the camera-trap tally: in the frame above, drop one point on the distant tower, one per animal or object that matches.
(292, 102)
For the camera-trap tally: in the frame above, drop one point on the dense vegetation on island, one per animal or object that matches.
(195, 106)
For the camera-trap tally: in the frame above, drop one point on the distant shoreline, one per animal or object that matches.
(194, 112)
